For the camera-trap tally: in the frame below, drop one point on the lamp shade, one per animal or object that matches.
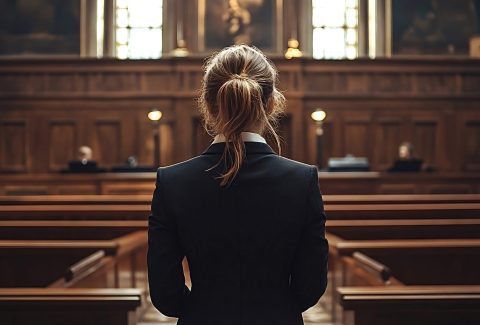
(154, 115)
(318, 115)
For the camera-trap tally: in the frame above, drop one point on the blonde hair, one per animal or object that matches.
(238, 92)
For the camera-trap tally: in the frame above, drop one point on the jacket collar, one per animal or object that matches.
(250, 148)
(246, 137)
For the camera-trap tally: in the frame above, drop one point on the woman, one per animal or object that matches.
(251, 223)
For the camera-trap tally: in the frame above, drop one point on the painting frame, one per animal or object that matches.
(79, 48)
(393, 28)
(276, 16)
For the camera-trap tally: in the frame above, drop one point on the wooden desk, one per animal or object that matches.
(330, 183)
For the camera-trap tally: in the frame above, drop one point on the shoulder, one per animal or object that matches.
(294, 163)
(291, 164)
(180, 168)
(291, 171)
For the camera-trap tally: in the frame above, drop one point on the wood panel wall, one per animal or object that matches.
(48, 108)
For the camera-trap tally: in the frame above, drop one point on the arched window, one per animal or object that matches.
(335, 29)
(138, 29)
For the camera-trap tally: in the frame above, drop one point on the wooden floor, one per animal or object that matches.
(314, 316)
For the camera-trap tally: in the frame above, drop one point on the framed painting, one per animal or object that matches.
(253, 22)
(41, 27)
(432, 27)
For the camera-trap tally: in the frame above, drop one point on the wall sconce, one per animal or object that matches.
(181, 50)
(319, 116)
(293, 51)
(155, 116)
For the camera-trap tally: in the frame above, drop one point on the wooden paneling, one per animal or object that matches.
(49, 107)
(472, 144)
(435, 83)
(425, 139)
(107, 142)
(358, 140)
(13, 146)
(388, 138)
(286, 136)
(167, 144)
(200, 140)
(63, 143)
(391, 83)
(327, 142)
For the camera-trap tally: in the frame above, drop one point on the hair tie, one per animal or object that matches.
(242, 76)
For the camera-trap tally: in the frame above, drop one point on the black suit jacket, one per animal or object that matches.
(256, 249)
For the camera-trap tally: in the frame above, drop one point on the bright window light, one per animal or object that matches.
(335, 29)
(139, 29)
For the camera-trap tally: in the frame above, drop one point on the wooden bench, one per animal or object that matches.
(417, 305)
(50, 259)
(68, 230)
(334, 211)
(400, 198)
(328, 199)
(403, 211)
(435, 262)
(404, 229)
(412, 260)
(360, 269)
(74, 212)
(40, 306)
(64, 269)
(75, 199)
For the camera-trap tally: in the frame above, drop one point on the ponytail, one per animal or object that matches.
(238, 92)
(238, 101)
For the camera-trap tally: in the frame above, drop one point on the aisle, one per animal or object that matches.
(314, 316)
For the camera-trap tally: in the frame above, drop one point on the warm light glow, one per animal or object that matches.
(154, 115)
(319, 115)
(293, 51)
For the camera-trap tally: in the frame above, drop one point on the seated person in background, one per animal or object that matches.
(84, 162)
(406, 161)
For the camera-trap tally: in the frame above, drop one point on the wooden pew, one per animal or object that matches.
(74, 212)
(416, 305)
(403, 211)
(75, 199)
(40, 306)
(457, 258)
(435, 262)
(50, 258)
(401, 198)
(412, 260)
(356, 270)
(334, 212)
(328, 199)
(68, 230)
(404, 229)
(47, 265)
(360, 269)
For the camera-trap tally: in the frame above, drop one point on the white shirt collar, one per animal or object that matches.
(246, 137)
